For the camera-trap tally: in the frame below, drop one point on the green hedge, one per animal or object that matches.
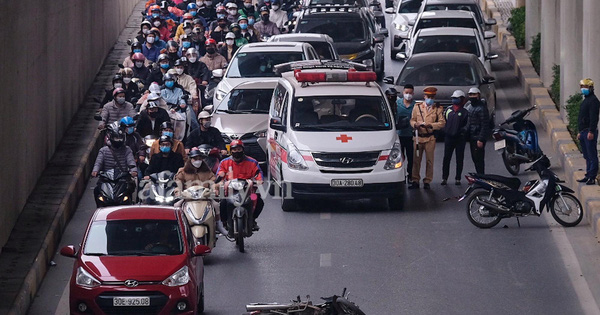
(534, 52)
(573, 104)
(555, 87)
(517, 25)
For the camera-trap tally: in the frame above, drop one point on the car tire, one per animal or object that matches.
(393, 54)
(381, 72)
(200, 306)
(287, 204)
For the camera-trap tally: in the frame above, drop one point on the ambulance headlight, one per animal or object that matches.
(394, 160)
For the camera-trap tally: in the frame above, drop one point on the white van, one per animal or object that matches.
(332, 135)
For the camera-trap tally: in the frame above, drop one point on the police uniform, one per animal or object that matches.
(433, 118)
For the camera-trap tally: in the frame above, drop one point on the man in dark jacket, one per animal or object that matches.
(587, 123)
(478, 128)
(159, 71)
(167, 160)
(151, 119)
(455, 132)
(205, 135)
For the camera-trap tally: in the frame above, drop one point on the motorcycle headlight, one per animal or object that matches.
(295, 159)
(261, 134)
(159, 198)
(180, 277)
(169, 199)
(85, 279)
(220, 94)
(101, 198)
(125, 198)
(394, 160)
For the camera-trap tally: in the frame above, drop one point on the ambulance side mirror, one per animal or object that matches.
(275, 124)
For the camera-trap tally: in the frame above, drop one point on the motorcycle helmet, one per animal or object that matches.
(169, 76)
(203, 115)
(165, 139)
(162, 57)
(126, 122)
(153, 97)
(236, 143)
(231, 5)
(391, 91)
(205, 149)
(116, 136)
(118, 91)
(221, 9)
(179, 62)
(138, 57)
(188, 17)
(136, 45)
(166, 125)
(196, 152)
(117, 77)
(210, 41)
(192, 6)
(230, 35)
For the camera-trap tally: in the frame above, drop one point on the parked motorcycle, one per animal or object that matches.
(114, 188)
(493, 197)
(520, 144)
(200, 213)
(333, 305)
(242, 199)
(160, 189)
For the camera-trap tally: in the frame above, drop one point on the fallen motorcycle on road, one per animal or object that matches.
(333, 305)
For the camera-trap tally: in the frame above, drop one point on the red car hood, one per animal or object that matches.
(140, 268)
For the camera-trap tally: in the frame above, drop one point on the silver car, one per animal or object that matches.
(404, 12)
(448, 39)
(447, 71)
(322, 43)
(464, 5)
(244, 114)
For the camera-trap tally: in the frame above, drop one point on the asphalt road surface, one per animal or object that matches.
(426, 259)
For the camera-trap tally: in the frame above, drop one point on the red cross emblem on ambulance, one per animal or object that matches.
(343, 138)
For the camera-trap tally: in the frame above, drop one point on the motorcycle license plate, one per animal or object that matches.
(131, 301)
(346, 183)
(499, 145)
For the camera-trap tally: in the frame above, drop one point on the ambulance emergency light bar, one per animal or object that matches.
(318, 64)
(337, 76)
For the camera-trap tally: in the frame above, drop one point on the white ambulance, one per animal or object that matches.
(332, 135)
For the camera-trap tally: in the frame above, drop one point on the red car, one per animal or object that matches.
(137, 260)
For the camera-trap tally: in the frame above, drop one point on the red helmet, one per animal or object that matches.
(210, 41)
(138, 57)
(154, 8)
(236, 143)
(120, 90)
(188, 16)
(221, 9)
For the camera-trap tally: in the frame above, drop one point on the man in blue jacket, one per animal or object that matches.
(587, 123)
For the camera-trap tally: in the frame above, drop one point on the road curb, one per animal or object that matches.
(570, 158)
(33, 243)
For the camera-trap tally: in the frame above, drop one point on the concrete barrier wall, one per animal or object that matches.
(51, 53)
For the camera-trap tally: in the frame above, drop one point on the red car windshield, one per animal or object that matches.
(134, 238)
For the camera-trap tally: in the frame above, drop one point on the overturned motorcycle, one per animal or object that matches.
(493, 197)
(333, 305)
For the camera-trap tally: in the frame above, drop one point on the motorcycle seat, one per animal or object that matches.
(512, 182)
(513, 132)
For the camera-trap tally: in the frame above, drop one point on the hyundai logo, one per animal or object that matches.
(346, 160)
(131, 283)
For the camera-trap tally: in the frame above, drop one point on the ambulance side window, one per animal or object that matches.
(279, 103)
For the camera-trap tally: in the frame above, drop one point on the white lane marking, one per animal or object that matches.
(325, 260)
(580, 285)
(325, 215)
(63, 304)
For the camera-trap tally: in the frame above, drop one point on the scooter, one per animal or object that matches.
(520, 144)
(242, 199)
(114, 188)
(199, 210)
(333, 305)
(493, 197)
(213, 156)
(160, 190)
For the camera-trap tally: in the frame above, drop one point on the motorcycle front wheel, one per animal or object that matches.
(239, 238)
(478, 214)
(566, 209)
(512, 167)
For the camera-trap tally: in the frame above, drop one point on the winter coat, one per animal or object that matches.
(214, 61)
(112, 112)
(588, 113)
(434, 117)
(479, 121)
(144, 125)
(106, 159)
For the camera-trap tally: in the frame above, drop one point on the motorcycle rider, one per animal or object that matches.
(278, 16)
(144, 30)
(206, 134)
(207, 10)
(117, 82)
(136, 47)
(478, 128)
(153, 95)
(173, 94)
(587, 124)
(237, 32)
(456, 139)
(246, 32)
(265, 26)
(133, 140)
(196, 68)
(140, 67)
(151, 119)
(150, 49)
(173, 51)
(115, 109)
(248, 9)
(232, 12)
(219, 32)
(213, 60)
(229, 49)
(167, 130)
(164, 63)
(185, 80)
(240, 166)
(132, 92)
(167, 160)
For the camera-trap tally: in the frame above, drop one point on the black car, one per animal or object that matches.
(356, 35)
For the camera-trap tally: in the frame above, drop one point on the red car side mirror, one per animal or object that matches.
(201, 250)
(68, 251)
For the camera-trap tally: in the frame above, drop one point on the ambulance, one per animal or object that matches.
(332, 135)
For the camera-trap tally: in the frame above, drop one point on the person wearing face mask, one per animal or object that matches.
(195, 172)
(248, 10)
(207, 10)
(173, 51)
(219, 32)
(117, 83)
(187, 82)
(177, 146)
(212, 58)
(232, 12)
(153, 12)
(240, 166)
(163, 28)
(246, 32)
(220, 13)
(278, 16)
(197, 69)
(161, 44)
(182, 115)
(455, 131)
(426, 118)
(136, 47)
(237, 32)
(229, 49)
(404, 110)
(478, 128)
(140, 67)
(185, 27)
(185, 44)
(132, 92)
(206, 134)
(115, 109)
(150, 120)
(265, 26)
(144, 30)
(149, 49)
(166, 160)
(160, 69)
(133, 139)
(587, 124)
(252, 30)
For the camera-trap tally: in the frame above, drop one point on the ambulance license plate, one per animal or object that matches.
(346, 183)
